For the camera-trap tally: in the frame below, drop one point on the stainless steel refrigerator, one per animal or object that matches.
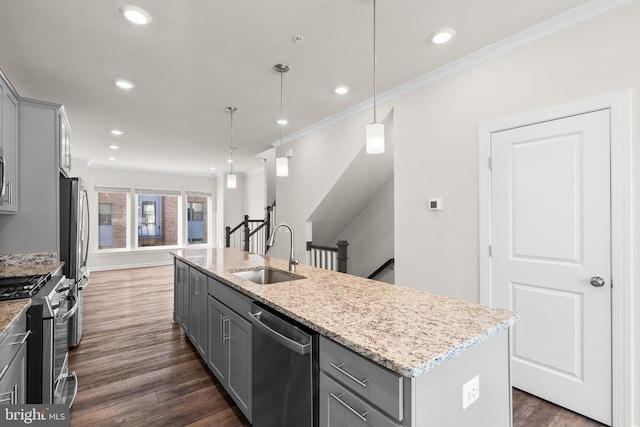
(74, 243)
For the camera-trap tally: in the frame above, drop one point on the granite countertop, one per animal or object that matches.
(29, 264)
(9, 313)
(404, 329)
(29, 269)
(22, 265)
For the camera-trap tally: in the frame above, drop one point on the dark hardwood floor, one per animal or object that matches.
(136, 368)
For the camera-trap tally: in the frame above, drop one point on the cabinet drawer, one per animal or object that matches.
(376, 384)
(231, 298)
(11, 344)
(341, 408)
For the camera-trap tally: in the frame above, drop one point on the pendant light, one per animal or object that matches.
(282, 163)
(375, 130)
(231, 178)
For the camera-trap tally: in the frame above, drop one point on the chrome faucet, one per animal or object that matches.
(292, 259)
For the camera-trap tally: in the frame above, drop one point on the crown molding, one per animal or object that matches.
(558, 23)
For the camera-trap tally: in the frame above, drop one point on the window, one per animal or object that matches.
(112, 218)
(105, 214)
(197, 217)
(158, 217)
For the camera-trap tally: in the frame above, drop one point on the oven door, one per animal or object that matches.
(62, 381)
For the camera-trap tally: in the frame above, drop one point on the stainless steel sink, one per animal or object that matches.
(266, 276)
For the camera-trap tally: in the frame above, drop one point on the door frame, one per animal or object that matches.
(619, 105)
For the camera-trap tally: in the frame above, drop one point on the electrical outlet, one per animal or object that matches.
(470, 391)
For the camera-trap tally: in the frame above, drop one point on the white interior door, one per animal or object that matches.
(550, 235)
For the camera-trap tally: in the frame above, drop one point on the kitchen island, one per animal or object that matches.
(451, 357)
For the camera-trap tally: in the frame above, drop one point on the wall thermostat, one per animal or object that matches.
(435, 204)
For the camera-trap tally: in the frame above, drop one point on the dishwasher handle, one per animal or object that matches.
(292, 344)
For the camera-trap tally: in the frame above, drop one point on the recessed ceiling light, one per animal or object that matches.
(116, 132)
(443, 35)
(112, 158)
(212, 168)
(229, 161)
(135, 14)
(282, 122)
(124, 84)
(114, 147)
(342, 90)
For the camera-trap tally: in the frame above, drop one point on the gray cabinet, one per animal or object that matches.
(198, 310)
(36, 226)
(180, 294)
(211, 315)
(8, 148)
(13, 362)
(340, 407)
(229, 345)
(218, 353)
(356, 391)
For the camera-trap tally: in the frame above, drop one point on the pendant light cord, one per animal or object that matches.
(231, 147)
(375, 115)
(281, 114)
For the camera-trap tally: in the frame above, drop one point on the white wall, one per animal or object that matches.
(319, 161)
(234, 209)
(128, 178)
(370, 236)
(436, 148)
(255, 194)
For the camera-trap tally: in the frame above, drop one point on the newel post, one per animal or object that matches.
(342, 256)
(246, 233)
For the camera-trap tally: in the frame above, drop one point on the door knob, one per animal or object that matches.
(597, 281)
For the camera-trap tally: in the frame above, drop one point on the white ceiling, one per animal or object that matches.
(199, 56)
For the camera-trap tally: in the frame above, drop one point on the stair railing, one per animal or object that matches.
(388, 263)
(251, 234)
(329, 258)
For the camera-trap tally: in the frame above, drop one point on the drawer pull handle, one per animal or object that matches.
(360, 382)
(24, 338)
(362, 416)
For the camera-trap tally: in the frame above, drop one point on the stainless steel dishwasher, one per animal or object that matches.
(284, 371)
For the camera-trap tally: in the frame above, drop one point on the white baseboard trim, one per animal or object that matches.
(127, 266)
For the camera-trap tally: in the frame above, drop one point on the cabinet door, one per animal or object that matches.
(13, 382)
(181, 281)
(9, 119)
(202, 320)
(197, 290)
(217, 348)
(239, 381)
(339, 407)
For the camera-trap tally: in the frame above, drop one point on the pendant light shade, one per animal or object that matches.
(375, 138)
(282, 166)
(282, 163)
(231, 178)
(375, 130)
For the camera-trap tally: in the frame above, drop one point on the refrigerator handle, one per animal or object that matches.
(88, 231)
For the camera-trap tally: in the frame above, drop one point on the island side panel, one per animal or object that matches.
(437, 395)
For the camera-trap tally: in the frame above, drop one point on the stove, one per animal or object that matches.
(17, 287)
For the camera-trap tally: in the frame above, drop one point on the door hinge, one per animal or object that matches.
(490, 162)
(490, 252)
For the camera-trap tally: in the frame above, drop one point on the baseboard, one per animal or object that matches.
(127, 266)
